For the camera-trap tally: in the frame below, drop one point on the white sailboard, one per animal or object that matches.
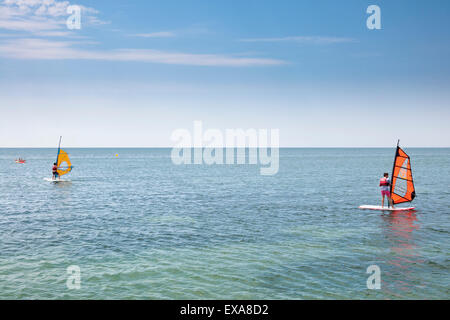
(369, 207)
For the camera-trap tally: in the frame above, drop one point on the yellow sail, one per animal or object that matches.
(64, 164)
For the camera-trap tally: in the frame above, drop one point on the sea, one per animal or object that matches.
(131, 224)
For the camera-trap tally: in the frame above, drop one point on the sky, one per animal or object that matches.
(137, 71)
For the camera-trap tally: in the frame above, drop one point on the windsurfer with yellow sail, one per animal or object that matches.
(62, 165)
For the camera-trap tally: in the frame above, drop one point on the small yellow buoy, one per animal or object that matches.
(117, 154)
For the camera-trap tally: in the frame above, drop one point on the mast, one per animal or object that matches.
(59, 149)
(393, 168)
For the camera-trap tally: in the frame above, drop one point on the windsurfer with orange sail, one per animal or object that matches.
(399, 187)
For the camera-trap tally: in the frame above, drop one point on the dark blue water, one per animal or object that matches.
(139, 226)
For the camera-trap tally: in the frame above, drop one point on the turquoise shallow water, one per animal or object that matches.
(139, 226)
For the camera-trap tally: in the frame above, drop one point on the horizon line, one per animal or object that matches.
(286, 147)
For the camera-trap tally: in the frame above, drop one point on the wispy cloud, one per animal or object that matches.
(30, 25)
(35, 22)
(40, 15)
(303, 39)
(40, 49)
(191, 31)
(161, 34)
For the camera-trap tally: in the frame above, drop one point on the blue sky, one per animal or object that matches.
(138, 70)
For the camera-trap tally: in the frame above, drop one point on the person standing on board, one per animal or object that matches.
(55, 171)
(385, 184)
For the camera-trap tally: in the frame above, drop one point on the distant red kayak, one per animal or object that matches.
(20, 161)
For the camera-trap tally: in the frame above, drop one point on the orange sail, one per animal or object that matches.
(64, 164)
(63, 161)
(402, 186)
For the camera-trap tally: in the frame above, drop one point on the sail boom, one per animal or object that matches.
(404, 179)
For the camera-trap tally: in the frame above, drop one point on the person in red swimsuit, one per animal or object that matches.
(385, 184)
(55, 171)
